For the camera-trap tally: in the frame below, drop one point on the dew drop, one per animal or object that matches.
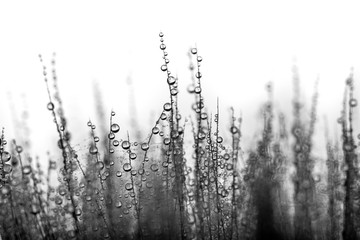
(203, 116)
(194, 50)
(7, 168)
(118, 204)
(167, 107)
(127, 167)
(116, 143)
(161, 34)
(115, 128)
(234, 130)
(353, 102)
(155, 130)
(62, 191)
(111, 135)
(128, 186)
(191, 88)
(133, 156)
(50, 106)
(163, 68)
(144, 146)
(162, 46)
(125, 145)
(198, 75)
(58, 200)
(171, 80)
(78, 212)
(27, 170)
(166, 141)
(154, 167)
(5, 156)
(163, 116)
(19, 149)
(99, 165)
(118, 174)
(93, 150)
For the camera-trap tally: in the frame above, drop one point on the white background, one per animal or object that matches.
(244, 44)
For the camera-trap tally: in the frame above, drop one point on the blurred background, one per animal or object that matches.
(114, 46)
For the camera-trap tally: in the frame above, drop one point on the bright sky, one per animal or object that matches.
(244, 45)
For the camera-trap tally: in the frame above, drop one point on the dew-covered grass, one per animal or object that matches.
(184, 180)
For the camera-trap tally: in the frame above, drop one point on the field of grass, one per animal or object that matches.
(181, 183)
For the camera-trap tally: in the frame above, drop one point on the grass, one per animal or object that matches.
(124, 189)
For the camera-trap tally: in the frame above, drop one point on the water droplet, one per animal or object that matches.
(353, 102)
(128, 186)
(5, 157)
(125, 145)
(78, 212)
(171, 80)
(133, 156)
(19, 149)
(116, 143)
(219, 139)
(203, 116)
(201, 135)
(162, 46)
(111, 135)
(166, 141)
(167, 107)
(163, 116)
(58, 200)
(163, 68)
(118, 174)
(144, 146)
(161, 34)
(50, 106)
(7, 168)
(174, 91)
(155, 130)
(62, 191)
(99, 165)
(198, 75)
(118, 204)
(27, 170)
(115, 128)
(96, 139)
(191, 88)
(199, 59)
(127, 167)
(154, 167)
(113, 113)
(194, 50)
(234, 130)
(93, 150)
